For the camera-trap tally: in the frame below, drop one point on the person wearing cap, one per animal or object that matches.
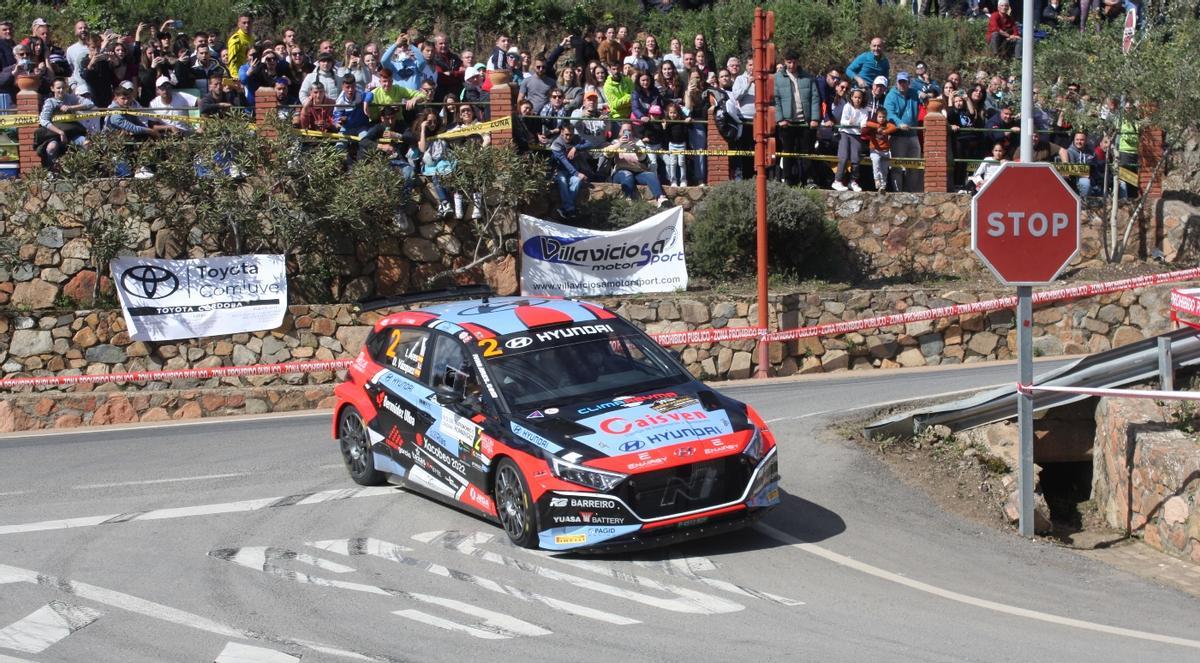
(797, 112)
(169, 102)
(591, 123)
(1003, 32)
(136, 127)
(869, 64)
(512, 62)
(473, 92)
(405, 62)
(877, 95)
(902, 107)
(52, 137)
(238, 45)
(323, 74)
(924, 84)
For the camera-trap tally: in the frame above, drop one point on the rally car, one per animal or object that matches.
(557, 419)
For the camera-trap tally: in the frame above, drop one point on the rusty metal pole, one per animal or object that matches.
(764, 72)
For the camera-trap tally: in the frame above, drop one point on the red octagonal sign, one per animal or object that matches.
(1025, 223)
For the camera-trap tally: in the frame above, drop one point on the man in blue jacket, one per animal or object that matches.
(902, 107)
(864, 68)
(568, 156)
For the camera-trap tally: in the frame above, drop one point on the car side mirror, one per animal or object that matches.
(447, 394)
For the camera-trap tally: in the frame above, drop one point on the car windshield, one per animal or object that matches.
(597, 365)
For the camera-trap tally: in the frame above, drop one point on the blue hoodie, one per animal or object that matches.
(902, 108)
(865, 66)
(409, 70)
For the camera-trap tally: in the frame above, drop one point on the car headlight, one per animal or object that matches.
(585, 476)
(754, 448)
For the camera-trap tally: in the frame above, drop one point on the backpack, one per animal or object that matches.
(728, 126)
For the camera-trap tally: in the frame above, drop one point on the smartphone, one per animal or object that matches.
(178, 24)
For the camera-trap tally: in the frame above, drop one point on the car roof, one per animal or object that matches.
(499, 316)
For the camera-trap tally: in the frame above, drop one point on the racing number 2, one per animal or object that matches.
(491, 347)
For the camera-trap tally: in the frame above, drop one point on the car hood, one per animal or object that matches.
(638, 422)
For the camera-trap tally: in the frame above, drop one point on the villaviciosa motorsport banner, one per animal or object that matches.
(164, 300)
(570, 262)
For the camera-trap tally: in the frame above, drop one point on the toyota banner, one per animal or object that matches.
(165, 300)
(569, 262)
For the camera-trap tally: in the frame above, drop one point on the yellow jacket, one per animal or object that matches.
(237, 49)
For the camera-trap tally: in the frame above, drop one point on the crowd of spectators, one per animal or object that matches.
(623, 107)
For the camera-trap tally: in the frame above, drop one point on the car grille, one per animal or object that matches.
(687, 487)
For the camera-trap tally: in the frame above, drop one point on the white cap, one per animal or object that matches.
(162, 81)
(880, 80)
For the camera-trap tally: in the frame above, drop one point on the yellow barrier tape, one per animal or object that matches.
(1073, 169)
(15, 121)
(478, 128)
(1128, 176)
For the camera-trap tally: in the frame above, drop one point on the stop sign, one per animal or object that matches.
(1025, 223)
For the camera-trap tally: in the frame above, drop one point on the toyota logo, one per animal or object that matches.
(632, 445)
(149, 281)
(518, 343)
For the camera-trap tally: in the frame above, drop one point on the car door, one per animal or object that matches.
(398, 393)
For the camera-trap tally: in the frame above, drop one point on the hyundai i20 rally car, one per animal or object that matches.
(557, 419)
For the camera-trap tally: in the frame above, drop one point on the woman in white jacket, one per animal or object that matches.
(854, 118)
(990, 166)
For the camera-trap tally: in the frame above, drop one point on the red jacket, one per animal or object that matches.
(1001, 22)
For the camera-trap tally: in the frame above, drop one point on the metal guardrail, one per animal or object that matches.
(1112, 368)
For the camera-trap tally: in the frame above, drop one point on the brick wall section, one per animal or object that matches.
(718, 167)
(265, 106)
(1150, 151)
(938, 165)
(503, 104)
(28, 102)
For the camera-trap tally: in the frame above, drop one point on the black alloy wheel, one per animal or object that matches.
(514, 506)
(356, 448)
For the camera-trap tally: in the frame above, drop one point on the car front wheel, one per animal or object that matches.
(514, 505)
(356, 448)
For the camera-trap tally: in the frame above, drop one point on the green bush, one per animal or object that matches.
(723, 243)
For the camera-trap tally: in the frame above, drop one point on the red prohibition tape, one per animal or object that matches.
(1183, 300)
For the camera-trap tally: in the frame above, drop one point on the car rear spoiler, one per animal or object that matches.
(481, 291)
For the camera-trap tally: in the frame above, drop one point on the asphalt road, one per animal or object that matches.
(174, 543)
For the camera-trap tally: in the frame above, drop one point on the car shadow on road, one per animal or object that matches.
(807, 521)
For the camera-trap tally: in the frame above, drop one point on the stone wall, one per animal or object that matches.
(892, 235)
(92, 342)
(1146, 475)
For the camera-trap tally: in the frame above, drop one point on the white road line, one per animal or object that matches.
(10, 659)
(149, 482)
(130, 603)
(46, 626)
(201, 510)
(236, 652)
(394, 553)
(14, 492)
(428, 619)
(262, 558)
(684, 600)
(1002, 608)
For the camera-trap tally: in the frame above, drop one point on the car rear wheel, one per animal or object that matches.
(514, 505)
(356, 448)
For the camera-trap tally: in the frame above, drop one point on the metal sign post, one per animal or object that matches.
(764, 149)
(1025, 404)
